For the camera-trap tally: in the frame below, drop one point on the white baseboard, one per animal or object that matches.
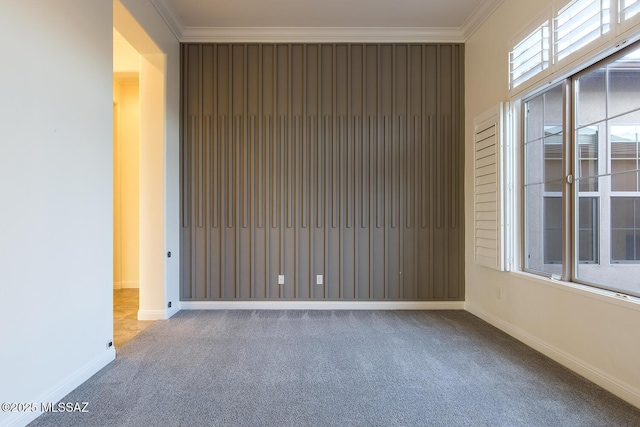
(322, 305)
(126, 285)
(176, 307)
(160, 314)
(66, 386)
(152, 315)
(614, 385)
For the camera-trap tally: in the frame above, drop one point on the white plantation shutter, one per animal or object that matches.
(578, 24)
(489, 196)
(530, 56)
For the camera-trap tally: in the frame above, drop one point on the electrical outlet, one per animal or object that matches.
(499, 293)
(281, 279)
(109, 344)
(169, 305)
(319, 279)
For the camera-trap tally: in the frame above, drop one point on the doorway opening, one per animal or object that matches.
(139, 138)
(126, 191)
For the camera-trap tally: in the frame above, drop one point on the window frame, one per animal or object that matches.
(523, 181)
(570, 189)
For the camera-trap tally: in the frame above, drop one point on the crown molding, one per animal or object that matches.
(321, 34)
(325, 34)
(170, 16)
(479, 16)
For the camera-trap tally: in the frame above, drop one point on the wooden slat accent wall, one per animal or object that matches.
(344, 160)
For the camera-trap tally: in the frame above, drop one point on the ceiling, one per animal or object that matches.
(325, 20)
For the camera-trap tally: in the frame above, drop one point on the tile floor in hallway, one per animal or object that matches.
(125, 316)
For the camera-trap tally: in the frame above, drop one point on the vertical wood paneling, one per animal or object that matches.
(409, 145)
(410, 159)
(454, 147)
(275, 172)
(214, 171)
(340, 160)
(193, 230)
(304, 161)
(312, 199)
(186, 171)
(363, 181)
(350, 164)
(199, 160)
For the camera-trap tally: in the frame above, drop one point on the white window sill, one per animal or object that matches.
(610, 297)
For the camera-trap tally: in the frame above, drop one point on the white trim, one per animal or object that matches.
(460, 34)
(64, 387)
(170, 17)
(479, 16)
(126, 285)
(154, 314)
(621, 389)
(321, 35)
(322, 305)
(609, 297)
(176, 306)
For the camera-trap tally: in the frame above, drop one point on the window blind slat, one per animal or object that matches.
(486, 197)
(572, 17)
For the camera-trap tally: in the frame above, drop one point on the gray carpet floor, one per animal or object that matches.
(336, 368)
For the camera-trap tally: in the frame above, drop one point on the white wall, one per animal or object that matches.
(56, 189)
(152, 226)
(594, 334)
(125, 58)
(126, 187)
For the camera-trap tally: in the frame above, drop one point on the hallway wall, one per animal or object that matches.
(126, 243)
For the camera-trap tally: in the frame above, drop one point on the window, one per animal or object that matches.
(543, 180)
(589, 248)
(530, 56)
(578, 24)
(552, 230)
(582, 185)
(625, 229)
(625, 181)
(588, 157)
(625, 158)
(587, 230)
(550, 194)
